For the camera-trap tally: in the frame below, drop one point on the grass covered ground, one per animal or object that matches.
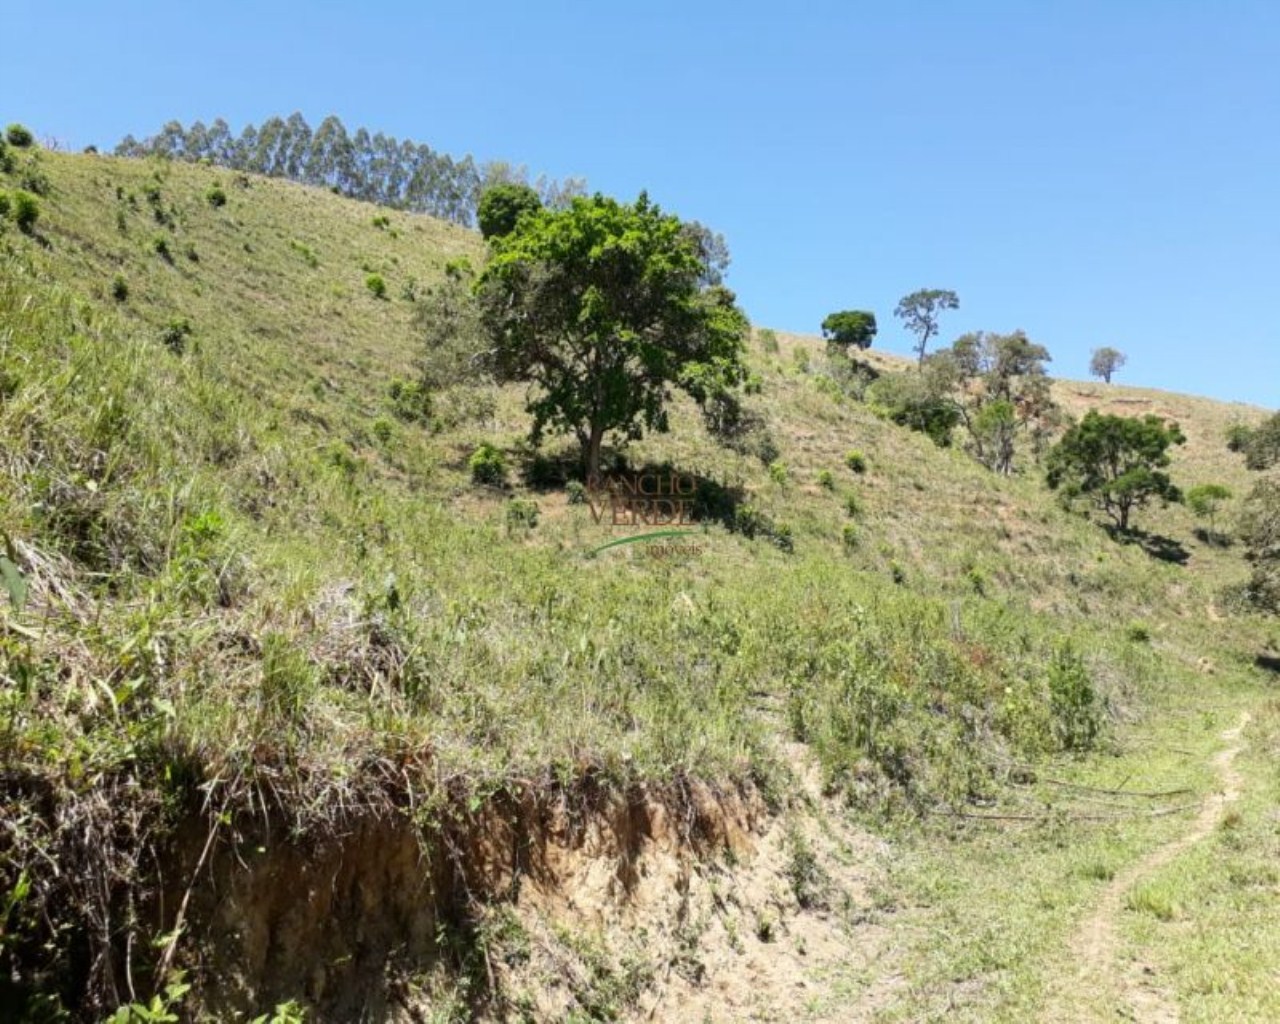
(246, 559)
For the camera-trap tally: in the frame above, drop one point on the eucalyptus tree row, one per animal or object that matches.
(374, 167)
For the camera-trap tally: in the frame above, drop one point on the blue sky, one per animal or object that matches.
(1095, 173)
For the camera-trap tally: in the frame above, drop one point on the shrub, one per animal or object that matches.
(852, 506)
(856, 461)
(487, 465)
(826, 481)
(19, 136)
(119, 288)
(781, 536)
(34, 180)
(25, 211)
(575, 492)
(802, 359)
(977, 581)
(522, 513)
(308, 254)
(5, 204)
(175, 334)
(897, 573)
(160, 246)
(410, 401)
(189, 251)
(1073, 702)
(6, 158)
(1138, 632)
(778, 473)
(216, 196)
(381, 221)
(383, 429)
(849, 536)
(748, 520)
(769, 341)
(376, 285)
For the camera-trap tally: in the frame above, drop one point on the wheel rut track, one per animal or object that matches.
(1095, 946)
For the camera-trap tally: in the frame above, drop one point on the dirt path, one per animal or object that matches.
(1095, 947)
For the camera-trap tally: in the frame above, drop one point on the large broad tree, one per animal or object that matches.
(601, 309)
(1117, 462)
(1105, 361)
(1001, 392)
(919, 313)
(849, 329)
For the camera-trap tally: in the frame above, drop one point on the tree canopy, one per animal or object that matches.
(919, 313)
(1001, 392)
(502, 206)
(1105, 362)
(601, 307)
(848, 329)
(1205, 502)
(1115, 461)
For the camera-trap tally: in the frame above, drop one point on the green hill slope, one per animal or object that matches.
(258, 589)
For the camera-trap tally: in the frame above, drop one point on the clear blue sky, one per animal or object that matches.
(1096, 173)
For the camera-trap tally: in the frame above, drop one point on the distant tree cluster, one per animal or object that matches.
(373, 167)
(1260, 522)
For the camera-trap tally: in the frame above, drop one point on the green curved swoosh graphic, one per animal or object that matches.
(641, 536)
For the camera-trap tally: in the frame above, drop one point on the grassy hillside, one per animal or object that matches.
(259, 587)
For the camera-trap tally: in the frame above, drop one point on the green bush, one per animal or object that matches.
(1073, 702)
(383, 429)
(119, 288)
(521, 514)
(160, 246)
(381, 221)
(487, 465)
(376, 285)
(826, 480)
(856, 461)
(575, 492)
(748, 520)
(778, 473)
(897, 573)
(216, 196)
(977, 581)
(19, 136)
(175, 334)
(849, 536)
(1138, 632)
(410, 401)
(852, 506)
(5, 204)
(308, 254)
(768, 341)
(25, 210)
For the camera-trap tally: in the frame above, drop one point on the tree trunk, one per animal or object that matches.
(591, 454)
